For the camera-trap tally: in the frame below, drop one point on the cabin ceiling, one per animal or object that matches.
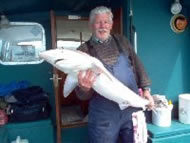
(11, 7)
(16, 7)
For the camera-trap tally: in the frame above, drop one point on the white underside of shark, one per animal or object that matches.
(73, 61)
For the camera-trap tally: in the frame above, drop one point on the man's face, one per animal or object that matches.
(101, 26)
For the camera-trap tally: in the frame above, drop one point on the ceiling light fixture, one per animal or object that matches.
(176, 7)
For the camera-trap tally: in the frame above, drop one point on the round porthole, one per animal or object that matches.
(178, 23)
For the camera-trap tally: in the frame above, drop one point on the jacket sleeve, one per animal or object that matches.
(140, 73)
(83, 95)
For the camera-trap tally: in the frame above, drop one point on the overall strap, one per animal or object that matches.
(124, 48)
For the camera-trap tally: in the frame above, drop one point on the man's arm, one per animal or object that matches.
(143, 81)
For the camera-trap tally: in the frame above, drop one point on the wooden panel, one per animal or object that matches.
(117, 21)
(55, 73)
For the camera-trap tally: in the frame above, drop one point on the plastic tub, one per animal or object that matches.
(184, 108)
(162, 116)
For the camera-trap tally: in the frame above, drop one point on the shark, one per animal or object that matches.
(72, 61)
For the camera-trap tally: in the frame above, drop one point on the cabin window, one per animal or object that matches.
(71, 33)
(68, 44)
(20, 43)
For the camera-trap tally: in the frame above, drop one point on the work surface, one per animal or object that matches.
(177, 132)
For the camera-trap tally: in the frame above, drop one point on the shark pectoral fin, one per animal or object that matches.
(69, 85)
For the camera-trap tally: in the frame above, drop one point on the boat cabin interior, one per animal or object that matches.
(157, 29)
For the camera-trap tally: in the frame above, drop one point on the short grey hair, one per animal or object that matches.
(100, 10)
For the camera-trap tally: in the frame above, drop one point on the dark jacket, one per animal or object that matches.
(125, 47)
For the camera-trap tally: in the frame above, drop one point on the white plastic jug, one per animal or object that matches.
(19, 140)
(184, 108)
(162, 116)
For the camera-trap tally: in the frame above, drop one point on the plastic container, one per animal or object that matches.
(162, 116)
(184, 108)
(19, 140)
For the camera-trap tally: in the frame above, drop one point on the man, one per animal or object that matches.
(106, 122)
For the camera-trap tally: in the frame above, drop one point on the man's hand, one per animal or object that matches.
(147, 95)
(86, 79)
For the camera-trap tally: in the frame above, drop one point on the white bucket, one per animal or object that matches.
(184, 108)
(162, 116)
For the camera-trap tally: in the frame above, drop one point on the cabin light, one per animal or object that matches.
(176, 7)
(4, 23)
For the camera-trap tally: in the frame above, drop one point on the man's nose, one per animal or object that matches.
(102, 24)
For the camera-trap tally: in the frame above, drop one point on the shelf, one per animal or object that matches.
(72, 116)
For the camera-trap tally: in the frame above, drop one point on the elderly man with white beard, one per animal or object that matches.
(106, 121)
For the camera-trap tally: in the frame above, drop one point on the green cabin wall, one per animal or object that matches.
(163, 53)
(36, 74)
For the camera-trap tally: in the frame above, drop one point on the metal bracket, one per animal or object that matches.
(55, 79)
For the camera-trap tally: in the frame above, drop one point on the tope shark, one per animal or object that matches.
(72, 61)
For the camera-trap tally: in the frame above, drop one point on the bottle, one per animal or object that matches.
(19, 140)
(170, 102)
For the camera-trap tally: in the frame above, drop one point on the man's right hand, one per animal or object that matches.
(86, 80)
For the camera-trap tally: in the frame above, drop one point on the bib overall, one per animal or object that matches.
(106, 121)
